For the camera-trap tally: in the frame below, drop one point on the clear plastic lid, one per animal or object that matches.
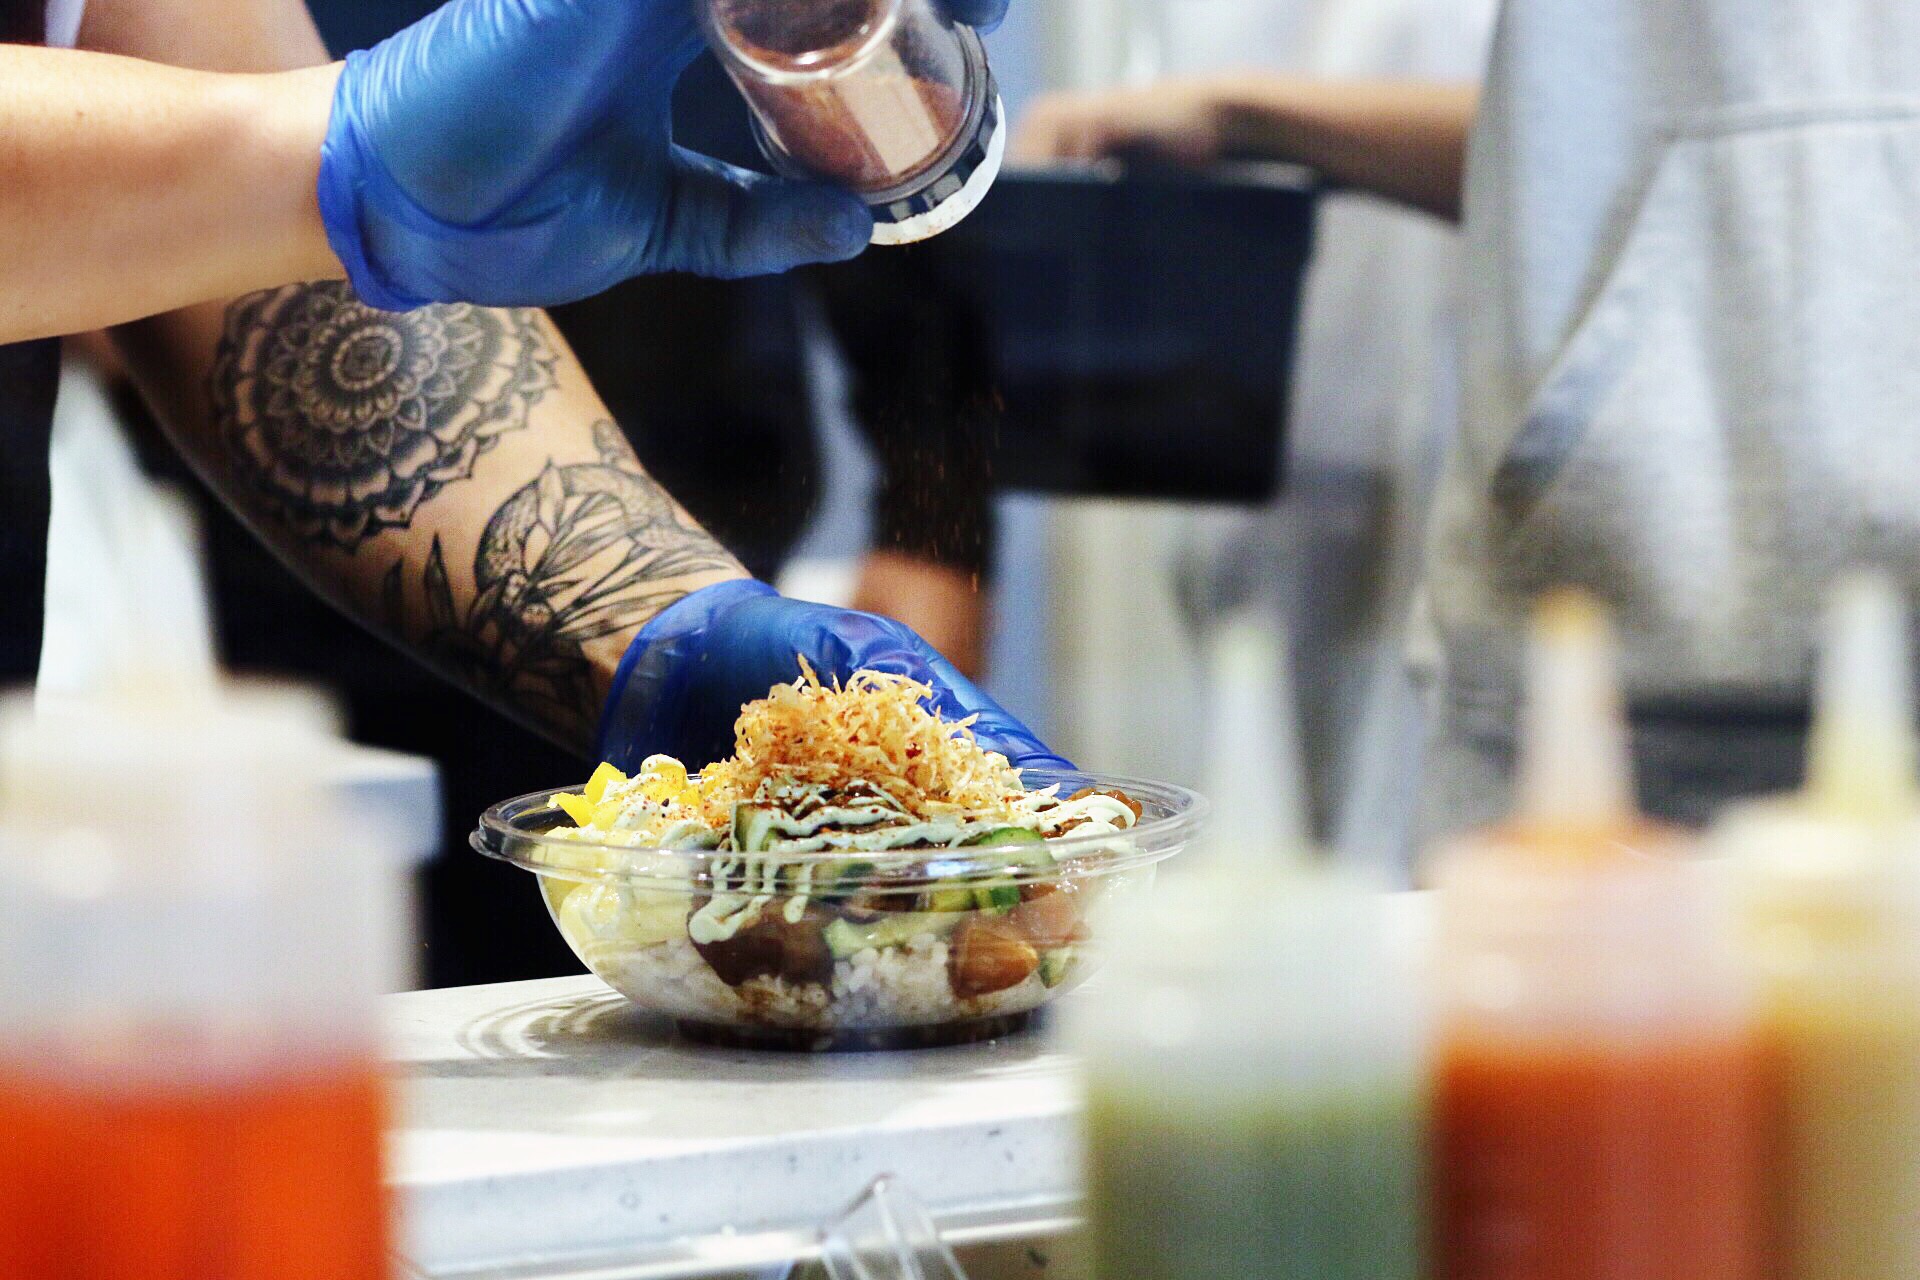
(182, 893)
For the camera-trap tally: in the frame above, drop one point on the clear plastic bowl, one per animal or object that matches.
(883, 950)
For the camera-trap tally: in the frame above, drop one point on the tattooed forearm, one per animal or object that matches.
(340, 420)
(447, 476)
(585, 552)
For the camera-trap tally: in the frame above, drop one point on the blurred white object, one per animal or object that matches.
(1089, 44)
(310, 704)
(1862, 754)
(129, 623)
(1253, 770)
(397, 792)
(1128, 690)
(171, 865)
(127, 603)
(821, 579)
(1574, 769)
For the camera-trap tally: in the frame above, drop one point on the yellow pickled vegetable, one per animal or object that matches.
(577, 807)
(610, 795)
(603, 777)
(665, 768)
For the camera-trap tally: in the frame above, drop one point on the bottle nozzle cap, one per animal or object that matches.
(1861, 756)
(1574, 765)
(1253, 767)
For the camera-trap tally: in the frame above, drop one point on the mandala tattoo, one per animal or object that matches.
(584, 551)
(344, 419)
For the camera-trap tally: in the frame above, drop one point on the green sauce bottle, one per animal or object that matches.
(1255, 1068)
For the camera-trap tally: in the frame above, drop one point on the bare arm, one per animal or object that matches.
(1403, 140)
(205, 181)
(447, 475)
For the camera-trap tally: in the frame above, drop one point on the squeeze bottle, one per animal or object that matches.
(1829, 886)
(192, 936)
(1595, 1112)
(1255, 1082)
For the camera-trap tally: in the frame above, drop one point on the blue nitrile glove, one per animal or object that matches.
(680, 686)
(981, 15)
(519, 152)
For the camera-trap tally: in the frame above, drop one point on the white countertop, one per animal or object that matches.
(547, 1120)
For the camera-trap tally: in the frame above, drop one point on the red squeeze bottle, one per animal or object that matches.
(191, 946)
(1597, 1108)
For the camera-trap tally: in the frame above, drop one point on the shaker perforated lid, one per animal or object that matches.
(956, 192)
(890, 99)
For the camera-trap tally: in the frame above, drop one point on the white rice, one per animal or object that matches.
(897, 987)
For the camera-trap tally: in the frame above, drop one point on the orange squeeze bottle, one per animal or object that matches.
(1595, 1108)
(191, 943)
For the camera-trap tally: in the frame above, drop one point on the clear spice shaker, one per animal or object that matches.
(890, 98)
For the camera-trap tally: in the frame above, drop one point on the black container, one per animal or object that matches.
(1141, 325)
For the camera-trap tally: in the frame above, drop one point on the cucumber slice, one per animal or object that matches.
(1056, 964)
(1030, 851)
(952, 898)
(999, 897)
(1005, 835)
(755, 826)
(847, 939)
(841, 879)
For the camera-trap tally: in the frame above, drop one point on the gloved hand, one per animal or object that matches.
(680, 686)
(982, 15)
(519, 152)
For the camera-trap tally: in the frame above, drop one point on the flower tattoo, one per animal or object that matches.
(345, 419)
(580, 553)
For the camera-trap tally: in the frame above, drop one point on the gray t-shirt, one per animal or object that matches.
(1693, 366)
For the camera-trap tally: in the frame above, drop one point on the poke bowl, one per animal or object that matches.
(819, 910)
